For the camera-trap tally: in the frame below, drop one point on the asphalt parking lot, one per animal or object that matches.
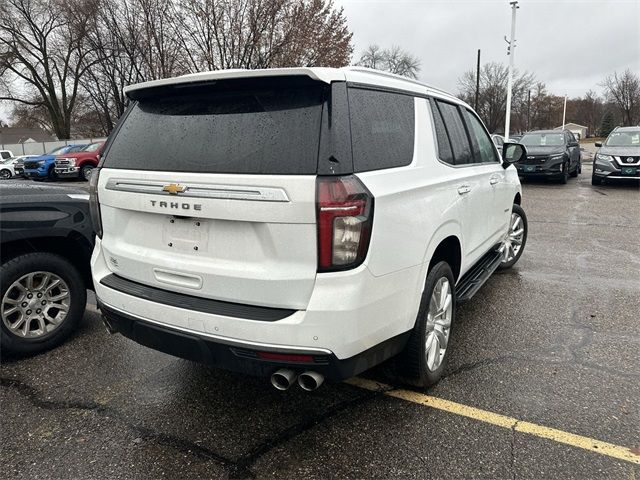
(547, 354)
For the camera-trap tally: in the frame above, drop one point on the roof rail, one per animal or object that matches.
(373, 71)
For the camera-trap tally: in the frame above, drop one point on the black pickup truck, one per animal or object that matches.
(46, 242)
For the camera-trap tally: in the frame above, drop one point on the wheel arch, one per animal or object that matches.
(517, 199)
(445, 245)
(73, 247)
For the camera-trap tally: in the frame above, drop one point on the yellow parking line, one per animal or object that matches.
(586, 443)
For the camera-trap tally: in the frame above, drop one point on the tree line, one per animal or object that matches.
(64, 63)
(534, 107)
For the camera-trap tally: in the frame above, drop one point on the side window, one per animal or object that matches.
(382, 129)
(457, 133)
(484, 151)
(442, 138)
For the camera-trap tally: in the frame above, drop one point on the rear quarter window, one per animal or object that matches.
(382, 129)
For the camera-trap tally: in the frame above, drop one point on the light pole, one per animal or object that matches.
(564, 111)
(511, 53)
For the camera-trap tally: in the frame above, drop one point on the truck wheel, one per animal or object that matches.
(425, 356)
(86, 172)
(43, 297)
(513, 244)
(52, 176)
(5, 174)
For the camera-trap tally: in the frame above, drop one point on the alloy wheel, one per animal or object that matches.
(35, 305)
(438, 325)
(513, 241)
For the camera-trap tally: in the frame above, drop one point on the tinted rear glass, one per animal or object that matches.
(257, 131)
(382, 129)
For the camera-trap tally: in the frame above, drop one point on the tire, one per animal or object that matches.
(86, 171)
(414, 365)
(575, 172)
(596, 180)
(580, 167)
(41, 334)
(564, 176)
(509, 260)
(51, 175)
(5, 174)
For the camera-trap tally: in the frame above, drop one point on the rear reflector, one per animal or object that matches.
(345, 215)
(285, 357)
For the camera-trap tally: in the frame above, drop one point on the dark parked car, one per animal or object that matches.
(619, 157)
(550, 154)
(47, 239)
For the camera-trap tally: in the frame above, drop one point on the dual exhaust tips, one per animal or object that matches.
(284, 378)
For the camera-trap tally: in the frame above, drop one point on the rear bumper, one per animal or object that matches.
(244, 357)
(348, 313)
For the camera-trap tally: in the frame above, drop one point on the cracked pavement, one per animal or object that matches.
(554, 341)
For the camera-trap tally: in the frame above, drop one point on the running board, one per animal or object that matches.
(471, 282)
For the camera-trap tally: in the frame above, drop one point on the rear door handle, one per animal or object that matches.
(463, 189)
(494, 179)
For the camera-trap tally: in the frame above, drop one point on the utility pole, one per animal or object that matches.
(564, 111)
(528, 109)
(511, 53)
(477, 82)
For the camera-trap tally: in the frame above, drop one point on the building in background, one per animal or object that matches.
(13, 135)
(580, 131)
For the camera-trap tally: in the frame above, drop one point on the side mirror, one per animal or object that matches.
(598, 144)
(512, 153)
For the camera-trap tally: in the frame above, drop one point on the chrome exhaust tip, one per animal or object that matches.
(309, 381)
(108, 326)
(283, 378)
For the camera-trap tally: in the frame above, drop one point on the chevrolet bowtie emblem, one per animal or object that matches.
(173, 188)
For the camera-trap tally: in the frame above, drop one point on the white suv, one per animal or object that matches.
(302, 223)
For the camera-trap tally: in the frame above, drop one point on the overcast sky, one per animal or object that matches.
(569, 45)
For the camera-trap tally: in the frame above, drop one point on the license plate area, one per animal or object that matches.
(629, 170)
(185, 234)
(529, 168)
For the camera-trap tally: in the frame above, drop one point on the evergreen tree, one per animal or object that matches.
(607, 124)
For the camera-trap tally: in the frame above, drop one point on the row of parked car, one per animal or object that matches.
(556, 154)
(69, 161)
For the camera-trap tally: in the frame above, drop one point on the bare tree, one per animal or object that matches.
(624, 91)
(57, 54)
(394, 60)
(492, 98)
(42, 53)
(262, 34)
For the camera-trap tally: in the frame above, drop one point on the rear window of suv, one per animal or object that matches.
(262, 130)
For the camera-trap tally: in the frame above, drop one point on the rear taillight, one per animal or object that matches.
(345, 216)
(94, 204)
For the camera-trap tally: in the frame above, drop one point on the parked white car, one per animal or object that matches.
(5, 154)
(302, 223)
(18, 164)
(7, 168)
